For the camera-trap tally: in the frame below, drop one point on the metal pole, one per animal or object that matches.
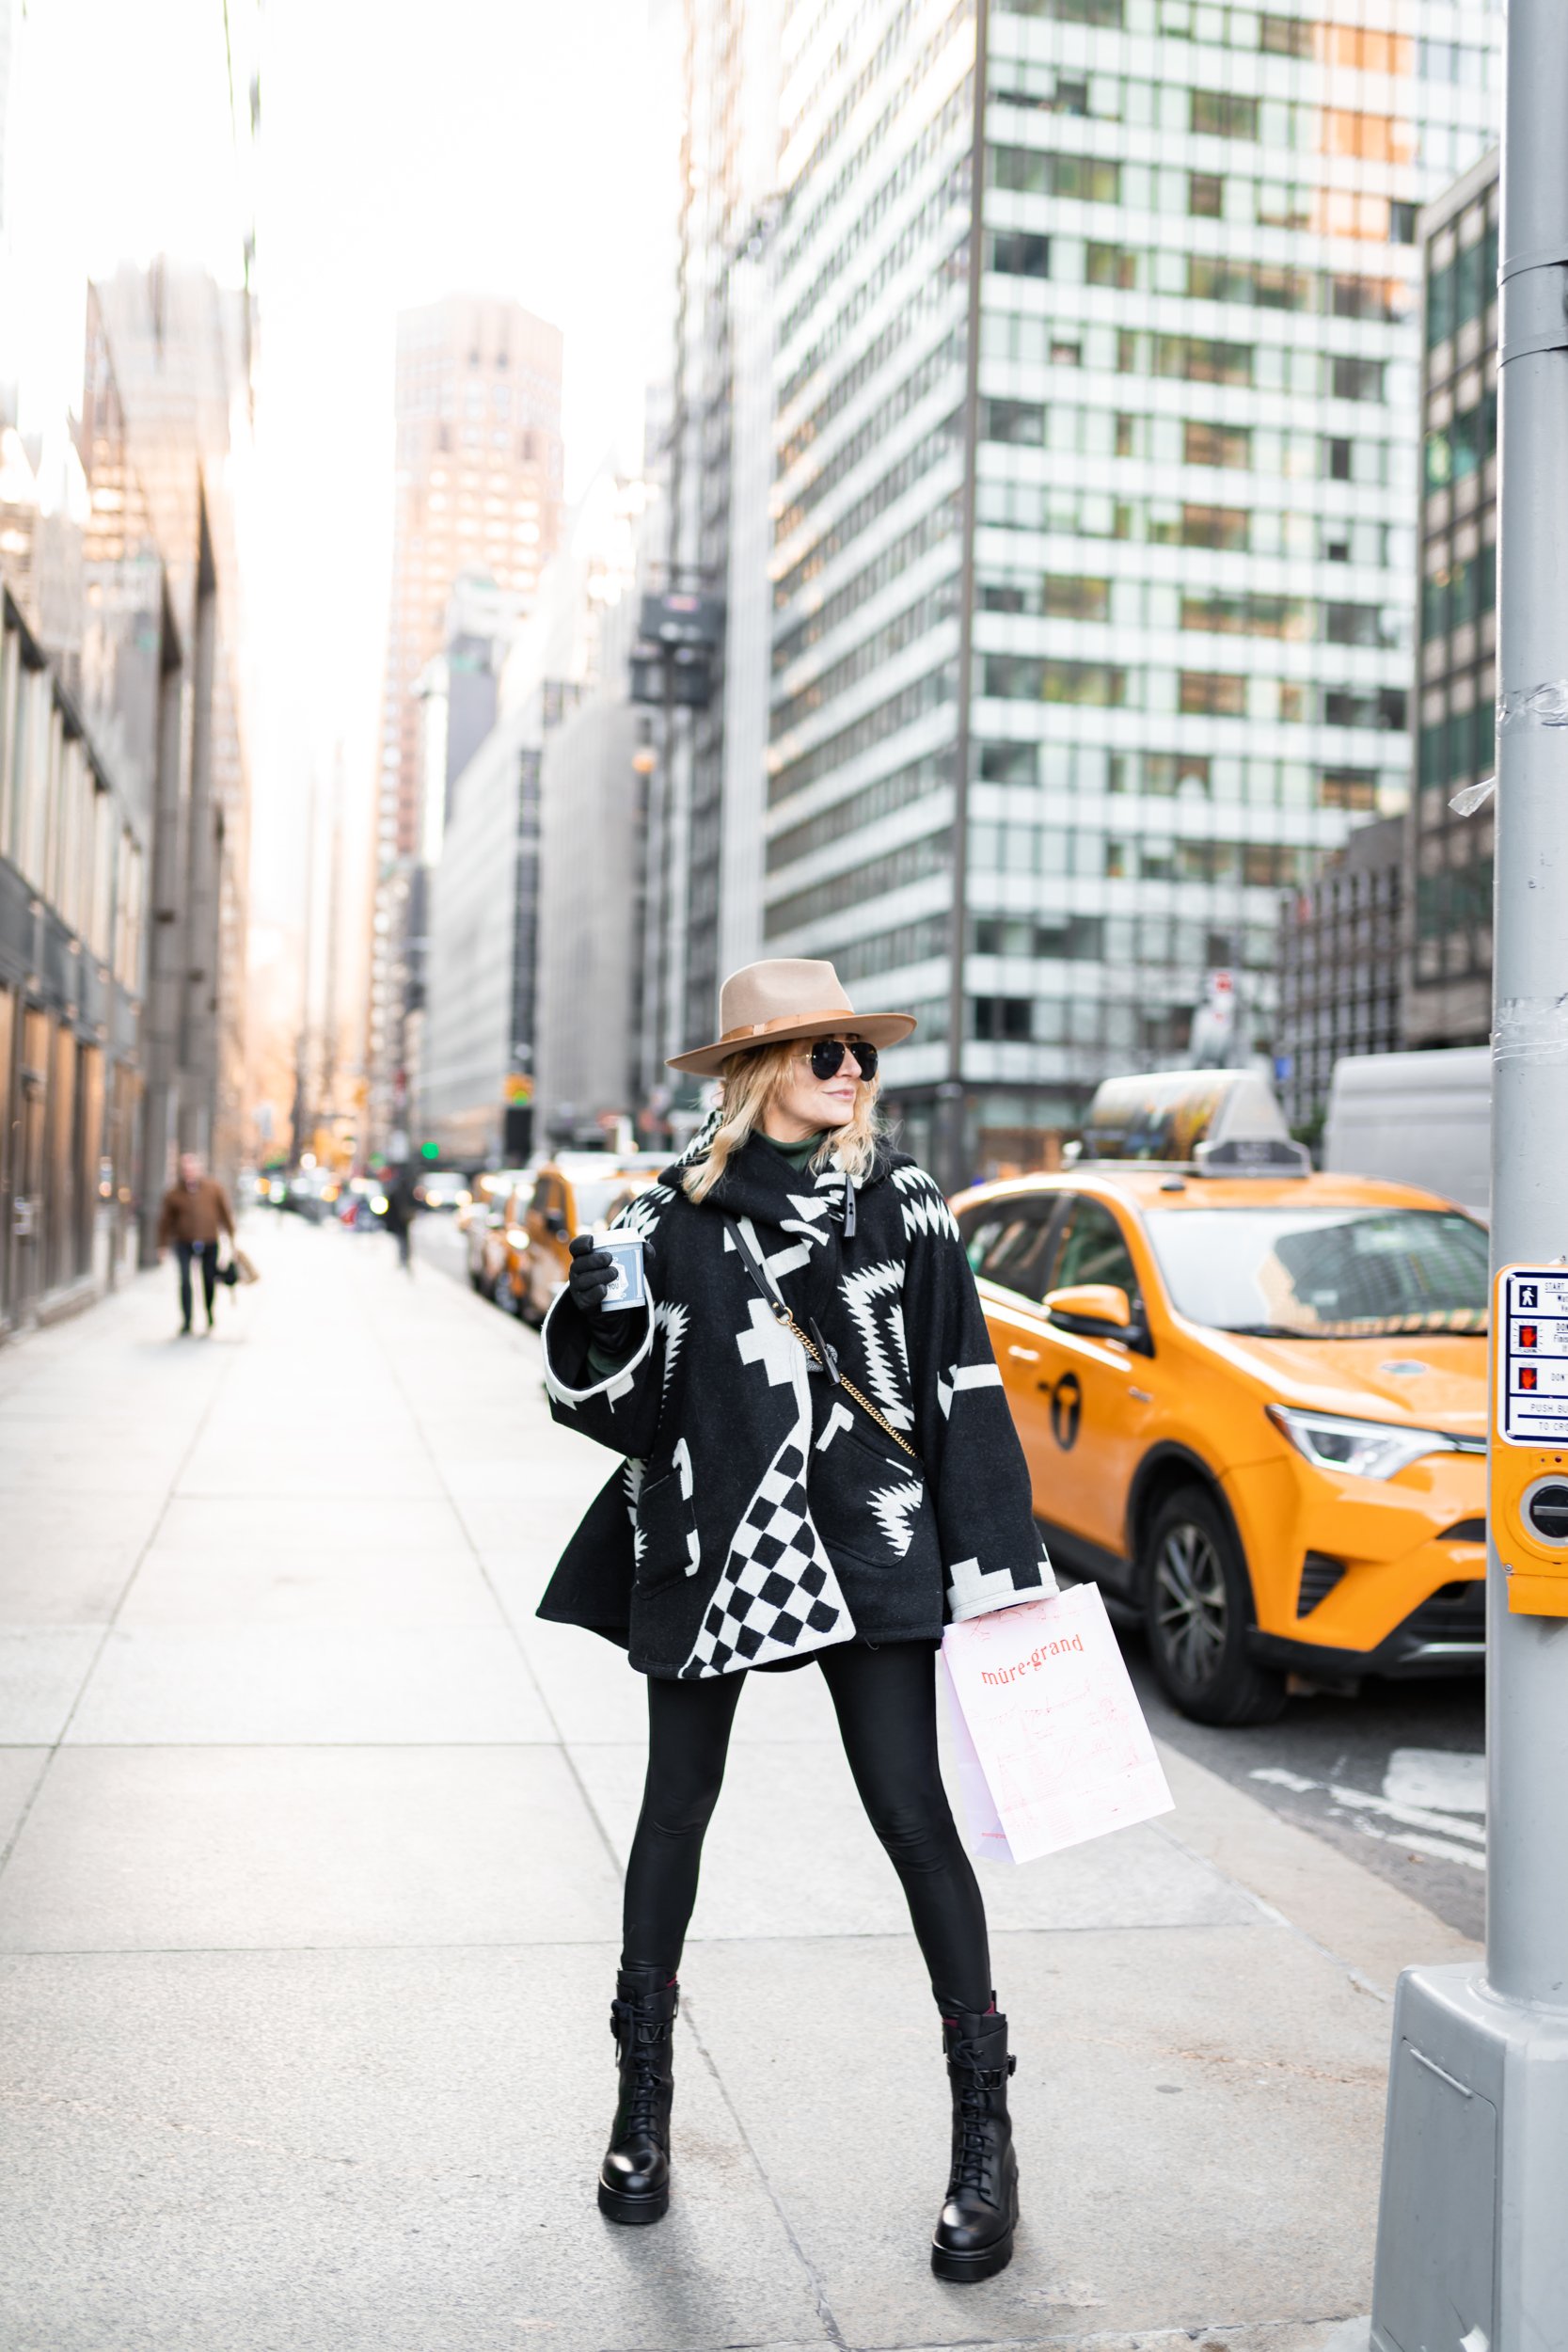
(1472, 2249)
(1527, 1912)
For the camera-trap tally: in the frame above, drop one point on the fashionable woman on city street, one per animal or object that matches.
(820, 1465)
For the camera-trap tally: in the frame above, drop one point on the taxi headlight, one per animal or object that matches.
(1365, 1449)
(516, 1238)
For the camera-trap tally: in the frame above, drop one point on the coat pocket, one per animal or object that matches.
(868, 1499)
(666, 1528)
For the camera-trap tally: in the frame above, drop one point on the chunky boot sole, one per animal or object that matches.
(962, 2270)
(635, 2212)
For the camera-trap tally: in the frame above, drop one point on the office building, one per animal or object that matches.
(1097, 402)
(478, 488)
(531, 1019)
(710, 460)
(123, 799)
(596, 757)
(1340, 959)
(181, 352)
(1448, 990)
(479, 861)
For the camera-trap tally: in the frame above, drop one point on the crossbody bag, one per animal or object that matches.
(821, 1353)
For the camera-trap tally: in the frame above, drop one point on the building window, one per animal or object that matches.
(1356, 379)
(1001, 1019)
(1348, 788)
(1224, 527)
(1355, 625)
(1223, 115)
(1029, 170)
(1021, 678)
(1050, 596)
(1286, 36)
(1016, 421)
(1216, 445)
(1111, 266)
(1384, 708)
(1212, 693)
(1197, 358)
(1248, 616)
(1017, 254)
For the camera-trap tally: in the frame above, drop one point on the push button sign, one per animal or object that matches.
(1532, 1356)
(1527, 1502)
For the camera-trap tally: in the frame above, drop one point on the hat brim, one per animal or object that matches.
(877, 1029)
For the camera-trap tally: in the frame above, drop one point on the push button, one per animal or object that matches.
(1546, 1510)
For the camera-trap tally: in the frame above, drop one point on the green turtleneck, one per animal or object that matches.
(798, 1154)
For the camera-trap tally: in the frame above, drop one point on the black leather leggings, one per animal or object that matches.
(885, 1700)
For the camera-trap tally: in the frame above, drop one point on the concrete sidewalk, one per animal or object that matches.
(309, 1910)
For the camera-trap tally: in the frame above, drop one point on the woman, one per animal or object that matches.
(820, 1465)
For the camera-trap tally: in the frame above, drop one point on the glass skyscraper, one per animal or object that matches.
(1448, 988)
(1097, 414)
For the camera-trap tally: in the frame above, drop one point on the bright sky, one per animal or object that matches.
(407, 149)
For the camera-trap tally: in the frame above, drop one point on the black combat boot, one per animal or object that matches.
(974, 2237)
(634, 2178)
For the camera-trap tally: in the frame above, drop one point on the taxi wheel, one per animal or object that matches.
(1197, 1605)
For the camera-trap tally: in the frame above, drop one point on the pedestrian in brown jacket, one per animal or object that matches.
(195, 1211)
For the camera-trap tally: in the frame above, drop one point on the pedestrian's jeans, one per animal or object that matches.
(207, 1252)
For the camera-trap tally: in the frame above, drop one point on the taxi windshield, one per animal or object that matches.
(1324, 1274)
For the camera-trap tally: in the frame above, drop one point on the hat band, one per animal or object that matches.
(784, 1021)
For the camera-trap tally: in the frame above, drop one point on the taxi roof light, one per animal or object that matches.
(1204, 1122)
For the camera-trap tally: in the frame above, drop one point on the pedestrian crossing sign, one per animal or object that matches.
(1531, 1356)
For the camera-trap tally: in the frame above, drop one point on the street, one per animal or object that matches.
(1394, 1777)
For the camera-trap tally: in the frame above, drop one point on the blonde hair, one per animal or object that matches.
(751, 1083)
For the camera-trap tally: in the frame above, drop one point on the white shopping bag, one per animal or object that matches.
(1049, 1741)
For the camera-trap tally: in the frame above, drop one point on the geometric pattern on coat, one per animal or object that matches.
(778, 1596)
(874, 1296)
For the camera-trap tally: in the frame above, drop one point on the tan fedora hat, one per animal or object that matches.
(766, 1004)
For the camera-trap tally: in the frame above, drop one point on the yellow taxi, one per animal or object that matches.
(492, 1207)
(569, 1195)
(1253, 1399)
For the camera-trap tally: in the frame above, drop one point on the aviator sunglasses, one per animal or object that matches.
(827, 1058)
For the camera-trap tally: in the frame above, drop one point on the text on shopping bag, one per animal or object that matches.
(1054, 1727)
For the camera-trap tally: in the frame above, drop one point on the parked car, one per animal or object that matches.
(442, 1188)
(483, 1220)
(1253, 1400)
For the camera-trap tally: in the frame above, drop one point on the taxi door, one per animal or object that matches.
(1009, 1243)
(1098, 1392)
(546, 1228)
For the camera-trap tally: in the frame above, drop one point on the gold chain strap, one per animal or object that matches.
(783, 1315)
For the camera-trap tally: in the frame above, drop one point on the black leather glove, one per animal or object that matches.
(592, 1269)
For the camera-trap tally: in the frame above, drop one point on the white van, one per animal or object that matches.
(1415, 1119)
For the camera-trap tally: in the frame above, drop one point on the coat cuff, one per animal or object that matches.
(569, 1375)
(972, 1593)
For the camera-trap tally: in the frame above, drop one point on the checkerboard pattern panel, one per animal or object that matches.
(778, 1596)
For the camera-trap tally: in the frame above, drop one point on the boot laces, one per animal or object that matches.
(973, 2148)
(637, 2040)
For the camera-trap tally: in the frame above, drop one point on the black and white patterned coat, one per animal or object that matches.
(760, 1514)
